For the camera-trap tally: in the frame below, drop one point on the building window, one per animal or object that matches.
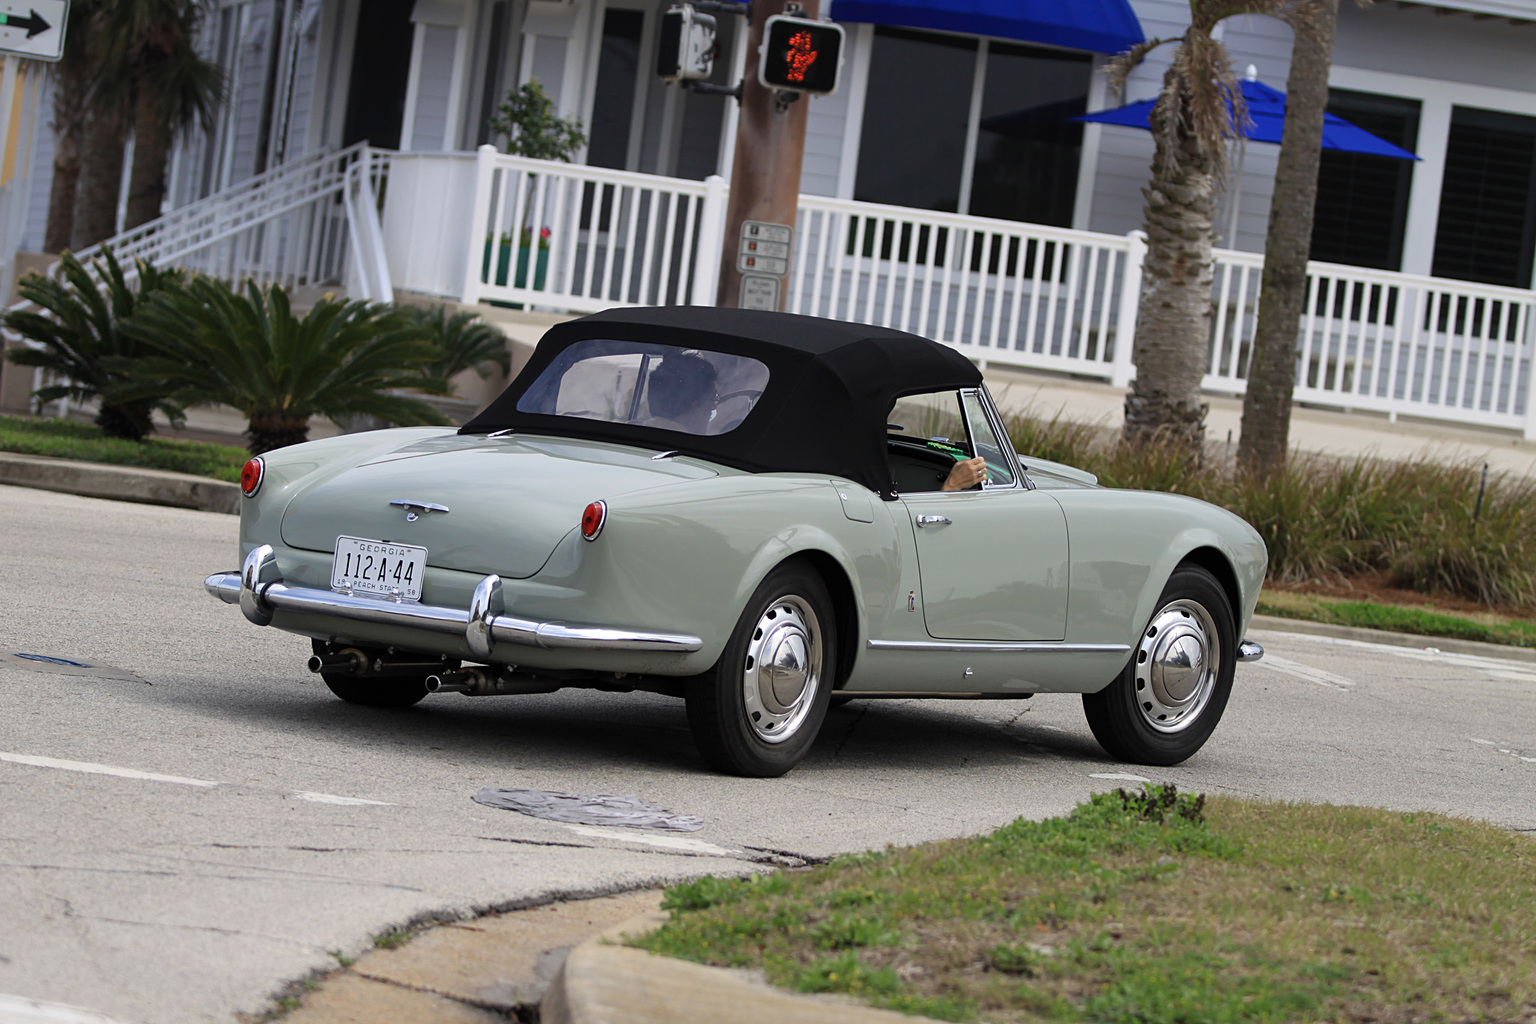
(1362, 201)
(1487, 220)
(993, 119)
(613, 101)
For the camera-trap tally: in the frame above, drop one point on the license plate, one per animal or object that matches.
(375, 567)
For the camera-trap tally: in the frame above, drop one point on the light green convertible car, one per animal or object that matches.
(759, 513)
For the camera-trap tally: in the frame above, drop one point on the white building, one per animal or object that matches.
(968, 134)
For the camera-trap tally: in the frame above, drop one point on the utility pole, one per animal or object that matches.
(765, 178)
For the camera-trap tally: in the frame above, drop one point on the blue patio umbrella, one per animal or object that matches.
(1266, 108)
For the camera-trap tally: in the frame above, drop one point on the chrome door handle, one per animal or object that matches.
(933, 520)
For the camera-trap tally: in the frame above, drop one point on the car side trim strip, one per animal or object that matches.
(258, 592)
(988, 647)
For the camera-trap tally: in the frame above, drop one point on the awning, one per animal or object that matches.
(1103, 26)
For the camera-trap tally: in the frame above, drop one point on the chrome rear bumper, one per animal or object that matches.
(259, 591)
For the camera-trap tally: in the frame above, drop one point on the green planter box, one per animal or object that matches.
(503, 265)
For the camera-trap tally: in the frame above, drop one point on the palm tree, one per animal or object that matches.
(147, 75)
(80, 337)
(214, 345)
(464, 342)
(1196, 112)
(72, 84)
(1282, 292)
(173, 87)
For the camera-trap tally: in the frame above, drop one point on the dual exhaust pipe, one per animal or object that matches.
(472, 682)
(477, 682)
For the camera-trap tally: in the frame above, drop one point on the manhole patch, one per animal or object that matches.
(65, 666)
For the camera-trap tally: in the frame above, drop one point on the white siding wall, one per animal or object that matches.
(438, 44)
(1457, 48)
(36, 206)
(826, 124)
(248, 87)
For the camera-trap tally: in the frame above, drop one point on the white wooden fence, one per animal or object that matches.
(493, 228)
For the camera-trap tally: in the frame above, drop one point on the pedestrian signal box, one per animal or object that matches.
(687, 47)
(800, 55)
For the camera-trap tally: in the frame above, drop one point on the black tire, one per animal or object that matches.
(1161, 709)
(395, 692)
(743, 723)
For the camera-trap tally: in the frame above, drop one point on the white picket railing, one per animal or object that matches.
(1001, 291)
(585, 238)
(509, 230)
(284, 226)
(1387, 342)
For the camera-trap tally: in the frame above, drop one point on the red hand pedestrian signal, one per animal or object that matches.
(800, 55)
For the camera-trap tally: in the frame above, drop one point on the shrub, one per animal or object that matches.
(80, 335)
(214, 345)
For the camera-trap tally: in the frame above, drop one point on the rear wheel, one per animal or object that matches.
(757, 712)
(1167, 701)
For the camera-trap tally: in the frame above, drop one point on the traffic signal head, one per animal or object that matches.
(800, 55)
(687, 46)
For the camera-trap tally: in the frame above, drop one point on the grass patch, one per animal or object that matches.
(1488, 628)
(70, 439)
(1426, 525)
(393, 939)
(1150, 907)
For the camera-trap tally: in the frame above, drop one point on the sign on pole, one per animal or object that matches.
(33, 28)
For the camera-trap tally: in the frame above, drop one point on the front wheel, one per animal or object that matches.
(758, 710)
(1167, 701)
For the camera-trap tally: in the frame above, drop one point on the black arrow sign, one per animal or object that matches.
(33, 24)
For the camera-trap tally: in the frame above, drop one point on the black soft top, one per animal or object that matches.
(830, 386)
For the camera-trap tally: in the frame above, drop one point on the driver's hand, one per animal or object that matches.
(964, 474)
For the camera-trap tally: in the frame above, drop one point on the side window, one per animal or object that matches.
(984, 441)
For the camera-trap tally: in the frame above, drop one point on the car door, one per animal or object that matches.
(992, 563)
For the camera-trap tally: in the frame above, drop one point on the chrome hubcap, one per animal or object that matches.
(782, 673)
(1176, 665)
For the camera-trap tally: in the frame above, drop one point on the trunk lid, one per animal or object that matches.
(510, 500)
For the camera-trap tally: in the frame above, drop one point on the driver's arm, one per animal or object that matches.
(966, 473)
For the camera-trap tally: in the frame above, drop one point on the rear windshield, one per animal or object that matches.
(688, 390)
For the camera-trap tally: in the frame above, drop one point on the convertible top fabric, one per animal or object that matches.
(830, 386)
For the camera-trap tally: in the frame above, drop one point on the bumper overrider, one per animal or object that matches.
(259, 590)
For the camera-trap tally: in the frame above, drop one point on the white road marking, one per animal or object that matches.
(1321, 677)
(1504, 750)
(344, 801)
(663, 841)
(21, 1010)
(1426, 653)
(1486, 743)
(101, 769)
(1120, 776)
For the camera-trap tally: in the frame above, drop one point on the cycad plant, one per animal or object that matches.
(213, 344)
(78, 326)
(464, 342)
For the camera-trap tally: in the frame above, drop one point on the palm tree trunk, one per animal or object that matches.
(270, 428)
(151, 151)
(1173, 324)
(61, 195)
(1272, 368)
(101, 176)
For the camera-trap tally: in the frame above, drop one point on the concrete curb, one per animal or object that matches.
(602, 982)
(120, 483)
(1380, 636)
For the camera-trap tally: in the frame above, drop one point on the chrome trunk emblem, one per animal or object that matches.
(414, 510)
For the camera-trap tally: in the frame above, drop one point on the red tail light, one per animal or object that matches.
(250, 476)
(592, 520)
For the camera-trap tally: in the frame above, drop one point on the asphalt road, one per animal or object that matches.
(180, 837)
